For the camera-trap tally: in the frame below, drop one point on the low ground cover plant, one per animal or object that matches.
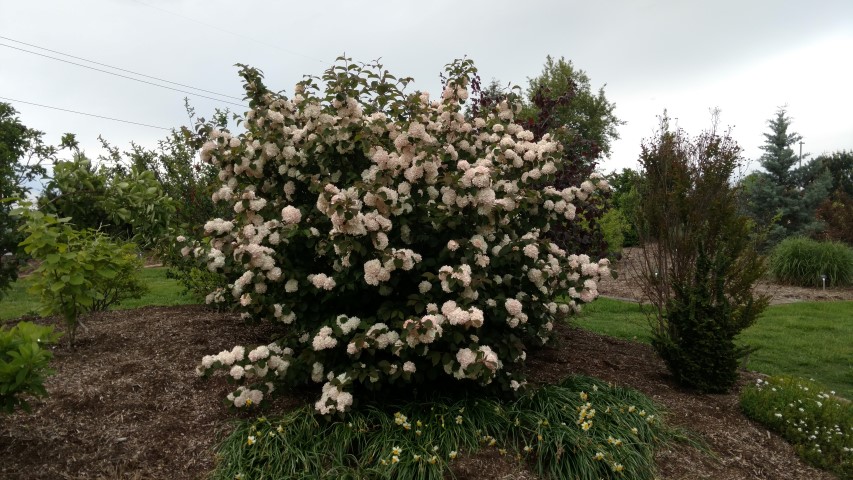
(803, 261)
(24, 359)
(813, 418)
(582, 428)
(392, 238)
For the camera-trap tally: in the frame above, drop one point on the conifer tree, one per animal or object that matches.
(778, 196)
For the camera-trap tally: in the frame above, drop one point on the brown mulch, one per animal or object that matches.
(127, 404)
(625, 285)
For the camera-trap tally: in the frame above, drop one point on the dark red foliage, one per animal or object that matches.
(580, 157)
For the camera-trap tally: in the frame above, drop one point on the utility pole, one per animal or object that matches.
(801, 154)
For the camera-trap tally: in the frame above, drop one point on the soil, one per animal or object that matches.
(126, 404)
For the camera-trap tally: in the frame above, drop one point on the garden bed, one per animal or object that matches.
(127, 404)
(626, 285)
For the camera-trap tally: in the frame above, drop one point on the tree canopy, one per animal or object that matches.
(22, 151)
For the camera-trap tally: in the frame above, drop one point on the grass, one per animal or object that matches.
(162, 291)
(808, 339)
(582, 428)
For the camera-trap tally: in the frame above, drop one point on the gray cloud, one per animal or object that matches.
(686, 56)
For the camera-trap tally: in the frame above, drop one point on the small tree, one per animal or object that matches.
(837, 214)
(80, 271)
(626, 201)
(699, 262)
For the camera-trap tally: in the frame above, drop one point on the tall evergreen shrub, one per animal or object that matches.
(699, 261)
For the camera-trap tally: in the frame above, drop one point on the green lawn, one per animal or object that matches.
(809, 339)
(162, 291)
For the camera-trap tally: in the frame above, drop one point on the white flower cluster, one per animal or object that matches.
(334, 398)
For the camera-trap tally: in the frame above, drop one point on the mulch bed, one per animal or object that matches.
(126, 404)
(626, 285)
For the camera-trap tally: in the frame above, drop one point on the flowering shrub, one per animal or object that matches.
(392, 239)
(813, 418)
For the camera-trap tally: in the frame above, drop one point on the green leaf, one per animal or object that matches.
(107, 273)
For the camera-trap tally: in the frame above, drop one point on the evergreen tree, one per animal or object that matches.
(782, 196)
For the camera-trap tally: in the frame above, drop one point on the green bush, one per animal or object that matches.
(802, 261)
(614, 226)
(23, 363)
(699, 346)
(125, 203)
(817, 422)
(80, 270)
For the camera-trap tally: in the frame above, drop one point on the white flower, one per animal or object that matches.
(324, 340)
(322, 281)
(291, 215)
(513, 307)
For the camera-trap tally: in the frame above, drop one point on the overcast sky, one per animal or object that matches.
(745, 57)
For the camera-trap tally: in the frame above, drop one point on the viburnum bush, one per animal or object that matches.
(392, 238)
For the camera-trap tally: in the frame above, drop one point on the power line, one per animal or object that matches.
(231, 33)
(123, 76)
(119, 69)
(84, 113)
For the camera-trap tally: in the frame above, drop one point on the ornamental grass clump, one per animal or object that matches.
(813, 418)
(581, 429)
(802, 261)
(390, 238)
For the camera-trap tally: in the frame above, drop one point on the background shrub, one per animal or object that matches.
(614, 225)
(836, 213)
(125, 203)
(24, 359)
(802, 261)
